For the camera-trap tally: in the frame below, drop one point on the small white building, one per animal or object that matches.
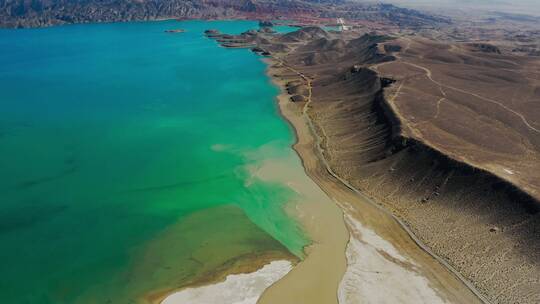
(342, 26)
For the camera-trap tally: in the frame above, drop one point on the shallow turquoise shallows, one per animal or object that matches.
(125, 155)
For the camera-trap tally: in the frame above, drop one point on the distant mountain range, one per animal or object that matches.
(39, 13)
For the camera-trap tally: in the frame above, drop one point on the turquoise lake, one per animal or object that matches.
(125, 155)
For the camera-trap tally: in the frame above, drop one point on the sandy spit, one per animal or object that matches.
(244, 288)
(316, 278)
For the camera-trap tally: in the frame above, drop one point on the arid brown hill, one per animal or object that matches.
(472, 103)
(410, 121)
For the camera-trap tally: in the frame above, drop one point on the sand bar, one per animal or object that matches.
(316, 278)
(242, 288)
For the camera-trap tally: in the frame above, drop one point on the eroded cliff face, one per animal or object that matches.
(487, 228)
(473, 103)
(484, 227)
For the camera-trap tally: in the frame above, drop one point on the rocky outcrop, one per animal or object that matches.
(391, 48)
(265, 23)
(304, 34)
(485, 48)
(298, 98)
(300, 89)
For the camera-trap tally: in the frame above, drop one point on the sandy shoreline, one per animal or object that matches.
(323, 222)
(433, 279)
(359, 251)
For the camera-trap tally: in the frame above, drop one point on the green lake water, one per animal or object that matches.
(125, 155)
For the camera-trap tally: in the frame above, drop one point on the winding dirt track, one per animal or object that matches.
(429, 75)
